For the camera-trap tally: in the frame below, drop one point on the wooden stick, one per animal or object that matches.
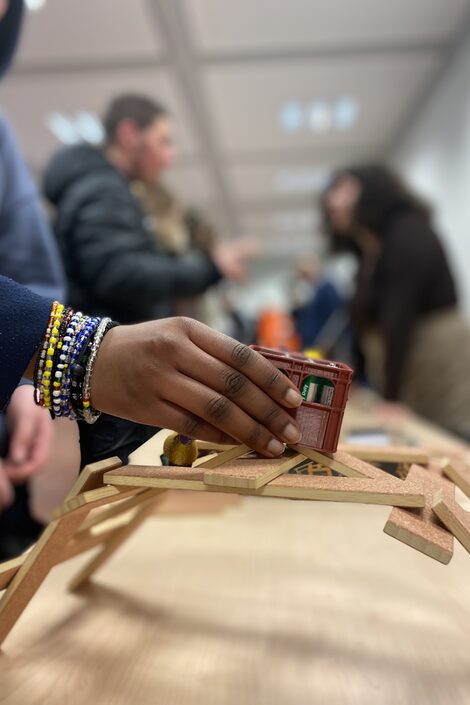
(251, 473)
(91, 477)
(420, 528)
(8, 569)
(225, 457)
(146, 509)
(209, 445)
(98, 497)
(43, 556)
(334, 462)
(119, 507)
(459, 473)
(454, 517)
(383, 490)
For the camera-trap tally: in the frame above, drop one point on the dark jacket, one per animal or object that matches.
(411, 278)
(10, 27)
(23, 320)
(113, 263)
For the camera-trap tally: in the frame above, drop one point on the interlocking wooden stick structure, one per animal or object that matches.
(362, 482)
(421, 528)
(109, 502)
(74, 530)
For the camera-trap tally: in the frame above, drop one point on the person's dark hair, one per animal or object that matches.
(10, 27)
(131, 106)
(383, 196)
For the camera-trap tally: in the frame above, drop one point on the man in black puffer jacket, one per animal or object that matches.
(111, 256)
(113, 263)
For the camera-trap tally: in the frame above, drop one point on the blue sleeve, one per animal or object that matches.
(28, 252)
(23, 321)
(313, 316)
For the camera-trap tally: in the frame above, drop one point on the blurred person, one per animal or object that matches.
(177, 372)
(316, 301)
(178, 230)
(114, 263)
(415, 343)
(28, 254)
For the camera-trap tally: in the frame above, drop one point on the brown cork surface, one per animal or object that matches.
(342, 462)
(454, 517)
(388, 490)
(360, 466)
(8, 570)
(420, 528)
(251, 473)
(459, 472)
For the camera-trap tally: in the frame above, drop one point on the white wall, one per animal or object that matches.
(434, 157)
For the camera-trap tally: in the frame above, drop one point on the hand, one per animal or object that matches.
(180, 374)
(232, 258)
(7, 493)
(30, 429)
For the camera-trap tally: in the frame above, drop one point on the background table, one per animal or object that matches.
(269, 602)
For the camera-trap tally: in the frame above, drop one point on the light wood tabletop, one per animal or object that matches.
(268, 602)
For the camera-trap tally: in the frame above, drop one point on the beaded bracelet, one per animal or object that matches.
(39, 367)
(47, 354)
(81, 343)
(89, 414)
(64, 365)
(74, 326)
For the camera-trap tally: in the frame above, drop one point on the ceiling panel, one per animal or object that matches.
(292, 179)
(74, 31)
(226, 25)
(27, 101)
(246, 100)
(280, 222)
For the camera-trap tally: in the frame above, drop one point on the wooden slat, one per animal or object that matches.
(91, 477)
(459, 473)
(251, 473)
(146, 508)
(454, 517)
(8, 569)
(98, 497)
(384, 490)
(124, 505)
(224, 457)
(43, 556)
(420, 528)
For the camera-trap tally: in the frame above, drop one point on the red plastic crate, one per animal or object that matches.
(320, 422)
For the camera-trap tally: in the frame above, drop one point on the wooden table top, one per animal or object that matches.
(269, 602)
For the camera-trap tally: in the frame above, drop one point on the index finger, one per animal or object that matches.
(243, 358)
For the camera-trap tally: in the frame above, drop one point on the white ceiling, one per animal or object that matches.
(225, 68)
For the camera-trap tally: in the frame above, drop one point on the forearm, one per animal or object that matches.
(23, 320)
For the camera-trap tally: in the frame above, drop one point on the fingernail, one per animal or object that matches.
(291, 433)
(292, 397)
(275, 447)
